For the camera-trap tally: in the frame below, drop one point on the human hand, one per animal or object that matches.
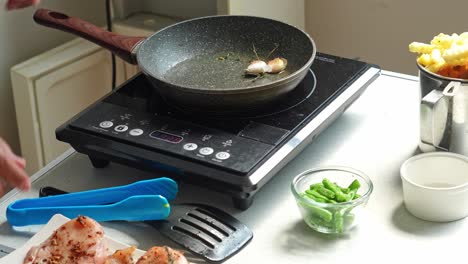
(17, 4)
(12, 170)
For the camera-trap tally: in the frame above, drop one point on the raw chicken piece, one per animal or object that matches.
(78, 241)
(162, 255)
(121, 256)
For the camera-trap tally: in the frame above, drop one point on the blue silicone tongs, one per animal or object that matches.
(139, 201)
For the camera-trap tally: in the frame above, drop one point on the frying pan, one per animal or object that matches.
(199, 64)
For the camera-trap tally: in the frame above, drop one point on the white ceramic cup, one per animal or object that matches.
(435, 186)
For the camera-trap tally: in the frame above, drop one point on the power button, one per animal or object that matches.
(222, 155)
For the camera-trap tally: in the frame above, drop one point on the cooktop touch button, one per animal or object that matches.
(106, 124)
(136, 132)
(121, 128)
(222, 155)
(190, 146)
(206, 151)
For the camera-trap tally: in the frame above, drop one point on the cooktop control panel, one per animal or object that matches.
(238, 153)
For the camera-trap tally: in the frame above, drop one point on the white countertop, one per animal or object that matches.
(375, 135)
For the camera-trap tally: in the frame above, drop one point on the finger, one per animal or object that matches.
(17, 4)
(2, 188)
(5, 148)
(9, 169)
(20, 162)
(4, 145)
(13, 174)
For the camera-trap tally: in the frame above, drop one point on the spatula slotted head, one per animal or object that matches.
(205, 230)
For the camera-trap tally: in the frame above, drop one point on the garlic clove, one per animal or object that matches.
(277, 65)
(257, 67)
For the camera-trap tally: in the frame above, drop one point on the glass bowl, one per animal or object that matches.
(332, 217)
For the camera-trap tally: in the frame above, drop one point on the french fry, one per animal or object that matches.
(446, 55)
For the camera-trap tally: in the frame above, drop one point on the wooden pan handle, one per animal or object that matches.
(122, 46)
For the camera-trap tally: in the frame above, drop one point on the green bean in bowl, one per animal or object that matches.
(332, 199)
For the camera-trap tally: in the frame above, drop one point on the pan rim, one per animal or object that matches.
(236, 90)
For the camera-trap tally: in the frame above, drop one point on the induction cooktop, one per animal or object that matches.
(235, 154)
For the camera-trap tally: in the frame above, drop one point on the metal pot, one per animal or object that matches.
(443, 113)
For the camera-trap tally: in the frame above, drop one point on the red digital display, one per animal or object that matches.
(166, 137)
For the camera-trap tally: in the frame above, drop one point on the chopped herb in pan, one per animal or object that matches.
(227, 56)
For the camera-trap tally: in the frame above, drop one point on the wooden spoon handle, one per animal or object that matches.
(122, 46)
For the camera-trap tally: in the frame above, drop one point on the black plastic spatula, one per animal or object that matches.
(204, 230)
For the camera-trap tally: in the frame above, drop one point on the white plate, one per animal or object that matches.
(17, 256)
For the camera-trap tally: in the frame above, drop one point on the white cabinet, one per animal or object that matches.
(51, 88)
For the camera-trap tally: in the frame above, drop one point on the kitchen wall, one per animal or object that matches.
(290, 11)
(379, 31)
(21, 38)
(177, 8)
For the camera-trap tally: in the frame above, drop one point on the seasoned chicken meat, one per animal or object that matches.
(122, 256)
(162, 255)
(79, 241)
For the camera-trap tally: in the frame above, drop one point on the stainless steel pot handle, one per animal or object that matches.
(435, 117)
(451, 89)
